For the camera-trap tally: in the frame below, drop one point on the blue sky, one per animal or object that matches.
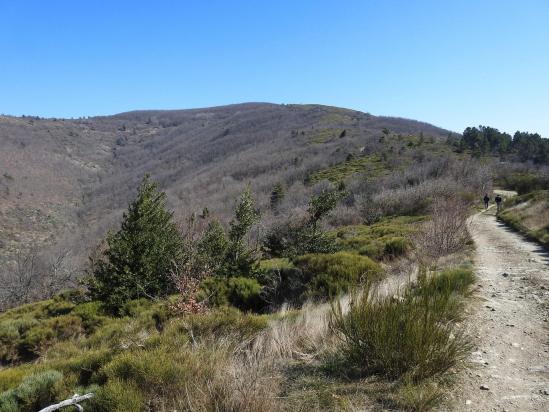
(451, 63)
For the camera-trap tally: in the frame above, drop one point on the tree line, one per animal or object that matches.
(522, 146)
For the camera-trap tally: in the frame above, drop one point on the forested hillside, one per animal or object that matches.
(66, 182)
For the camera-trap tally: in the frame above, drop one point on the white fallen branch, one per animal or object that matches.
(74, 401)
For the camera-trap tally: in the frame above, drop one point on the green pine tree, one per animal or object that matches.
(277, 194)
(139, 257)
(241, 260)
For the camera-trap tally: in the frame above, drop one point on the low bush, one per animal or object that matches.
(84, 366)
(396, 246)
(331, 274)
(91, 314)
(243, 293)
(59, 307)
(386, 239)
(284, 285)
(39, 338)
(525, 182)
(159, 376)
(219, 322)
(444, 291)
(12, 377)
(275, 263)
(404, 337)
(118, 396)
(418, 397)
(35, 392)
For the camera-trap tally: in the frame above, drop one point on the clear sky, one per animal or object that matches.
(452, 63)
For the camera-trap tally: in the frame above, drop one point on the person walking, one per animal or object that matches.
(499, 201)
(486, 200)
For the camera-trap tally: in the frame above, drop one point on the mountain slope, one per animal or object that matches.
(70, 179)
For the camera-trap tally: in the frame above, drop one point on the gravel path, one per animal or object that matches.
(510, 322)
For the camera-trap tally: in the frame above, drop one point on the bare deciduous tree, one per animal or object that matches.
(191, 270)
(446, 231)
(31, 277)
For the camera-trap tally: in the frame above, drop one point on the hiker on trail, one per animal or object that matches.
(486, 200)
(498, 200)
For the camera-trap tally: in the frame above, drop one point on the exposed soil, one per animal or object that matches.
(510, 322)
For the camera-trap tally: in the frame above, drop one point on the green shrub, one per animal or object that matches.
(396, 246)
(285, 285)
(372, 248)
(134, 308)
(408, 337)
(217, 323)
(418, 397)
(118, 396)
(85, 366)
(275, 263)
(149, 370)
(35, 392)
(91, 314)
(331, 274)
(243, 293)
(11, 377)
(9, 337)
(59, 307)
(443, 292)
(387, 238)
(449, 281)
(526, 182)
(160, 374)
(8, 402)
(75, 296)
(42, 336)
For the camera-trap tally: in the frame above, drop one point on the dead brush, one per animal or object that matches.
(446, 232)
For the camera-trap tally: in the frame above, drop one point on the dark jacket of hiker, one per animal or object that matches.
(498, 199)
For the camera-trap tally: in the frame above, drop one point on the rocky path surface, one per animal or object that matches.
(510, 323)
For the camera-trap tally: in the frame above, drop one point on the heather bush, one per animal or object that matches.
(386, 239)
(331, 274)
(409, 336)
(33, 393)
(396, 246)
(240, 292)
(118, 396)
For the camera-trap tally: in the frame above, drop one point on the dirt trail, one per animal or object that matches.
(510, 323)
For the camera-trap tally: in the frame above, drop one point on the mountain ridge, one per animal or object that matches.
(64, 178)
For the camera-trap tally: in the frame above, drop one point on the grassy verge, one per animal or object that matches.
(529, 214)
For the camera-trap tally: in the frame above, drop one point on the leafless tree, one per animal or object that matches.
(31, 277)
(192, 269)
(446, 231)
